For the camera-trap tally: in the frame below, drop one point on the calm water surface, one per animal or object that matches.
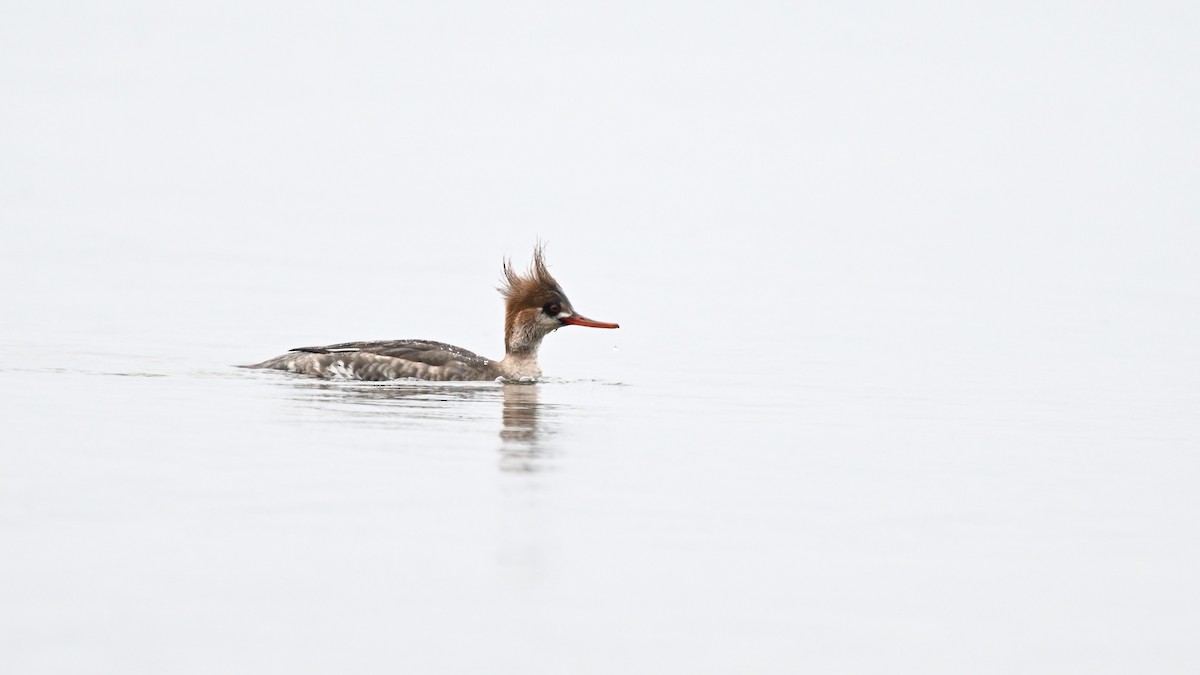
(173, 513)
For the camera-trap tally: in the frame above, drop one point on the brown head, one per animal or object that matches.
(535, 306)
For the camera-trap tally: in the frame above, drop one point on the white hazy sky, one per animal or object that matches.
(823, 161)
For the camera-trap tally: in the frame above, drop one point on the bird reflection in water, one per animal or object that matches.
(418, 406)
(520, 447)
(404, 404)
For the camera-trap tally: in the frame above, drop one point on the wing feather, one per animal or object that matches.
(386, 360)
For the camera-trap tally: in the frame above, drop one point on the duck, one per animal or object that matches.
(534, 306)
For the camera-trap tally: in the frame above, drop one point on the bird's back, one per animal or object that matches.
(386, 360)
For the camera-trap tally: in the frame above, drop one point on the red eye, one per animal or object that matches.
(552, 309)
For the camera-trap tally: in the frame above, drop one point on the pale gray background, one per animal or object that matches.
(907, 379)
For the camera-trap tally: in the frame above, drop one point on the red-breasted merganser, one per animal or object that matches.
(534, 306)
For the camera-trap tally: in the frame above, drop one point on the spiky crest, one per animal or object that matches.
(527, 292)
(535, 282)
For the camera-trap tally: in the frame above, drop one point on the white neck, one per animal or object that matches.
(519, 366)
(522, 338)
